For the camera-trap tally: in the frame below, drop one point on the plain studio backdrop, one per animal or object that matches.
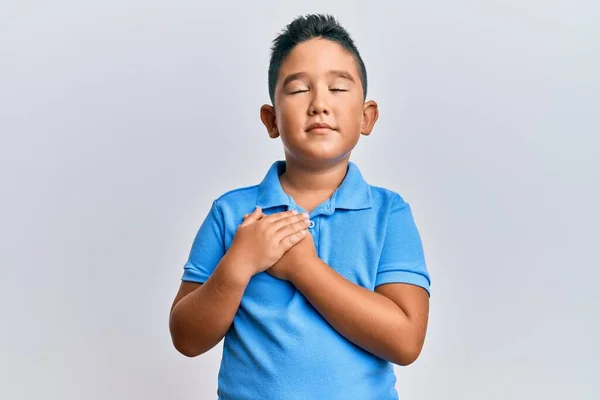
(120, 122)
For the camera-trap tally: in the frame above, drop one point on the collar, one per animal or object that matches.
(352, 194)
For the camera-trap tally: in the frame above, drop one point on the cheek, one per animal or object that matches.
(289, 118)
(352, 115)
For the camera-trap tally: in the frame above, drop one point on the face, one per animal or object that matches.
(319, 109)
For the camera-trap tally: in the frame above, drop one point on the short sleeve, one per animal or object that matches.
(207, 249)
(402, 259)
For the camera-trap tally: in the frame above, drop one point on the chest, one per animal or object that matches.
(350, 242)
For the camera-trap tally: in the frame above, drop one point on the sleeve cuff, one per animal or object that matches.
(409, 277)
(191, 273)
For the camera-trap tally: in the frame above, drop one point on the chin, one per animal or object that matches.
(321, 158)
(318, 153)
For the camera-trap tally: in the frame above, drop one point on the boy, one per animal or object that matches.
(316, 280)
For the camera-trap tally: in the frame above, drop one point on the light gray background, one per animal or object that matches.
(121, 122)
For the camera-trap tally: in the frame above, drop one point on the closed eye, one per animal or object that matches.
(338, 90)
(299, 91)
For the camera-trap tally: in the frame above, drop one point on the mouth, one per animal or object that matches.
(319, 128)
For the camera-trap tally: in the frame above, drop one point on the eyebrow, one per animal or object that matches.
(293, 77)
(342, 74)
(336, 73)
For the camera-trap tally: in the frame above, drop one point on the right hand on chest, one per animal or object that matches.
(261, 240)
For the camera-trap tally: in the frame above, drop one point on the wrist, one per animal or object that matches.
(303, 269)
(236, 268)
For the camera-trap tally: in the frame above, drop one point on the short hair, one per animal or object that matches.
(303, 29)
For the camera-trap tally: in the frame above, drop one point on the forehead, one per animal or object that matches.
(318, 56)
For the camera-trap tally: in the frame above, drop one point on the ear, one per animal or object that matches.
(370, 116)
(267, 116)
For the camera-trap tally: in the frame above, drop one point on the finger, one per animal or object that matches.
(291, 229)
(292, 224)
(262, 215)
(253, 217)
(290, 241)
(277, 216)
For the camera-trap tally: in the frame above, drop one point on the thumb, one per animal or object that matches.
(253, 217)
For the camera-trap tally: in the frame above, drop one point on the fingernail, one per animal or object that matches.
(305, 215)
(294, 212)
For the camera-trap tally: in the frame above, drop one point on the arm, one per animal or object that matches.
(390, 322)
(202, 313)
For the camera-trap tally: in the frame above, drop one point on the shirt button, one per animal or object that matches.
(311, 224)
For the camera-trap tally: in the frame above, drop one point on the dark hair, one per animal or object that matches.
(305, 28)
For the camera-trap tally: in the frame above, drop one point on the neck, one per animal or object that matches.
(300, 178)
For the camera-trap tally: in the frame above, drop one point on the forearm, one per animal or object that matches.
(201, 319)
(366, 318)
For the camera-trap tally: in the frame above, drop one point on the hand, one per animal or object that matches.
(293, 258)
(261, 240)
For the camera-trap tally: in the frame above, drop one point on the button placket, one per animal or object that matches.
(313, 228)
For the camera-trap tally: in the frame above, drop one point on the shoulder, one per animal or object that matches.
(236, 195)
(385, 198)
(235, 202)
(381, 196)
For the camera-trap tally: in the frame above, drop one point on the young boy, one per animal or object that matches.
(316, 279)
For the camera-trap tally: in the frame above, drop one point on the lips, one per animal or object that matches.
(321, 126)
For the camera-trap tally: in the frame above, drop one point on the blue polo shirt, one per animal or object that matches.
(279, 346)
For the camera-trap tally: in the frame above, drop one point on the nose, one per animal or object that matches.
(318, 104)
